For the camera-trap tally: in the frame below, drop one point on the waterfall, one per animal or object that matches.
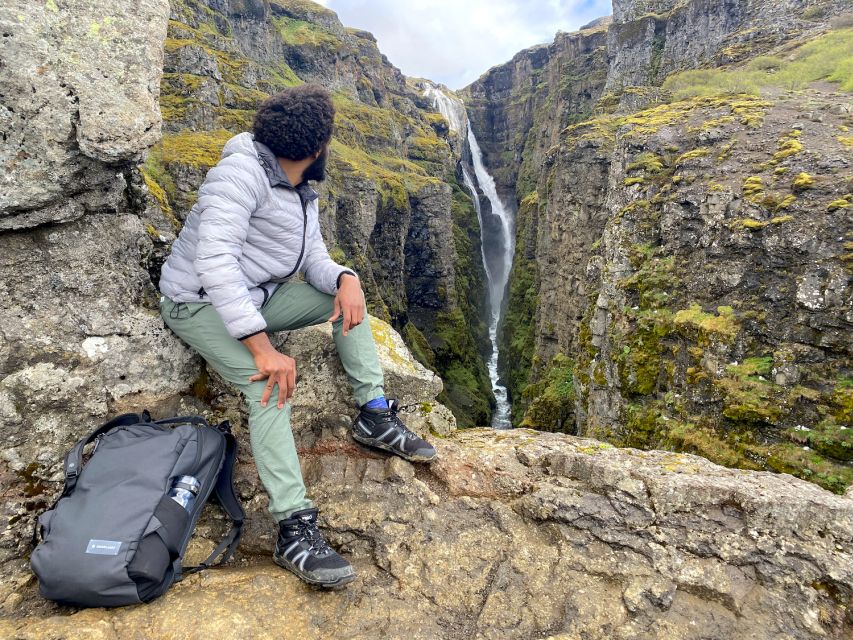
(501, 235)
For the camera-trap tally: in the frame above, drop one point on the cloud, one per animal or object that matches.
(455, 41)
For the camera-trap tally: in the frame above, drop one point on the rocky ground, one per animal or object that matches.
(517, 534)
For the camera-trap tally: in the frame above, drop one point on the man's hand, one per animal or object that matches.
(349, 301)
(274, 367)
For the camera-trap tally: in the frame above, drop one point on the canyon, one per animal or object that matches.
(631, 244)
(681, 271)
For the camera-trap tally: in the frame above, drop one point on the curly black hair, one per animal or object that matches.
(297, 122)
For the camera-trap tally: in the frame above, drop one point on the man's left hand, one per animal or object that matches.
(349, 301)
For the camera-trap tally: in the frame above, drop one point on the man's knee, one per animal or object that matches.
(253, 394)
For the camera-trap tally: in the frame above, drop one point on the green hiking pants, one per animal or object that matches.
(293, 305)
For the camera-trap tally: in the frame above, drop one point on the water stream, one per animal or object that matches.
(496, 236)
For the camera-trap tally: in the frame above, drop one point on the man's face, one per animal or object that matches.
(317, 169)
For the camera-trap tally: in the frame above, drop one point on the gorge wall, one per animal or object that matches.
(510, 534)
(682, 265)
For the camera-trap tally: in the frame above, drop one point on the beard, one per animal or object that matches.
(317, 169)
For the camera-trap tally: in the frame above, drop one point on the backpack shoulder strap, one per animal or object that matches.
(227, 497)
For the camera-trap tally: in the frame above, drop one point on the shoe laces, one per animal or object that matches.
(309, 531)
(391, 416)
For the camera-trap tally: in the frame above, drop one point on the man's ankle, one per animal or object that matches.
(377, 403)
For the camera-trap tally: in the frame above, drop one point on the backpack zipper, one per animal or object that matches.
(201, 500)
(197, 449)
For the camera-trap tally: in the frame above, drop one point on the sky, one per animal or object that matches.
(455, 41)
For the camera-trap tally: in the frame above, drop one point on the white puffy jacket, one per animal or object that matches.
(249, 230)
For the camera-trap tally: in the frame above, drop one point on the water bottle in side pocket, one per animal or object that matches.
(184, 490)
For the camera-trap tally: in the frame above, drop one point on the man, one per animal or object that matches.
(230, 280)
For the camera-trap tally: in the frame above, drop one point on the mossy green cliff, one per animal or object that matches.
(682, 266)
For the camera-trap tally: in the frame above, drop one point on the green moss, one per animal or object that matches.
(304, 34)
(787, 148)
(757, 366)
(828, 438)
(194, 148)
(160, 184)
(826, 57)
(550, 401)
(649, 427)
(304, 8)
(753, 188)
(691, 155)
(786, 202)
(840, 203)
(842, 399)
(639, 346)
(647, 162)
(428, 149)
(809, 465)
(749, 223)
(395, 178)
(419, 345)
(518, 331)
(802, 182)
(748, 396)
(723, 326)
(462, 368)
(781, 219)
(705, 442)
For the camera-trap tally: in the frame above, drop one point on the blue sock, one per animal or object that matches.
(377, 403)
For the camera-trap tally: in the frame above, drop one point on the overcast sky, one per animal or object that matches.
(455, 41)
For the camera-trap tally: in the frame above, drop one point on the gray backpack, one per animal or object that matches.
(114, 536)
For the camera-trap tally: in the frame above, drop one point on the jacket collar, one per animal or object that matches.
(277, 176)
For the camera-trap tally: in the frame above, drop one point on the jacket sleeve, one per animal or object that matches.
(320, 270)
(227, 199)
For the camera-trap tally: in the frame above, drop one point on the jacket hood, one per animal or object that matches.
(245, 143)
(241, 143)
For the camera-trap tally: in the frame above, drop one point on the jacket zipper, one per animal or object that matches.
(304, 229)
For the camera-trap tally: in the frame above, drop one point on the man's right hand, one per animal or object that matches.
(274, 367)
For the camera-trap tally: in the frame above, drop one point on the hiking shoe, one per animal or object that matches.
(381, 428)
(301, 548)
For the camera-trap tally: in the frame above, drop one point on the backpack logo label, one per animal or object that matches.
(104, 547)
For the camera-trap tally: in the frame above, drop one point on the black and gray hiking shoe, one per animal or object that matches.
(301, 548)
(381, 428)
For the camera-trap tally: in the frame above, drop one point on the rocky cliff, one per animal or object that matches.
(518, 109)
(720, 325)
(518, 534)
(97, 184)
